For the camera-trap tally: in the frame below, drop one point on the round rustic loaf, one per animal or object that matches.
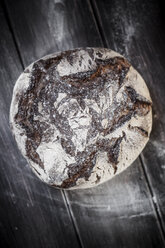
(81, 116)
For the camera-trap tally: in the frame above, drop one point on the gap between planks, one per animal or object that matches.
(96, 16)
(153, 199)
(4, 7)
(70, 213)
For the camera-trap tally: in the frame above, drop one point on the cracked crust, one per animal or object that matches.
(81, 116)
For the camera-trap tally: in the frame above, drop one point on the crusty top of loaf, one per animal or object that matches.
(80, 116)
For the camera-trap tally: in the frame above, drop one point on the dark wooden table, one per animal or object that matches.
(129, 210)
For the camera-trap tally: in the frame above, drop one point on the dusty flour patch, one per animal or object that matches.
(160, 148)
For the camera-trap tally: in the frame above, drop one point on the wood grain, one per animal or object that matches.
(136, 29)
(43, 27)
(119, 213)
(32, 214)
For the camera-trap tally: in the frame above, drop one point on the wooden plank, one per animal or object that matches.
(31, 213)
(119, 213)
(136, 29)
(43, 27)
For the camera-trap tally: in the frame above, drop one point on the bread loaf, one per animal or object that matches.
(80, 117)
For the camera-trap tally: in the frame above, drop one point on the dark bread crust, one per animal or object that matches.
(46, 84)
